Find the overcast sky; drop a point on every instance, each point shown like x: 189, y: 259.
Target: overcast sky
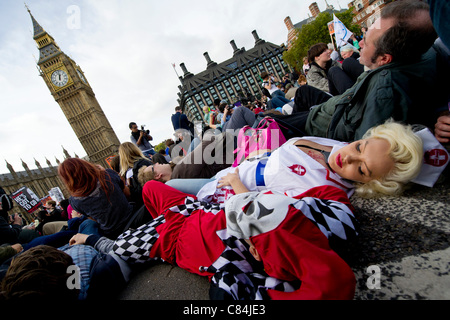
x: 126, y: 50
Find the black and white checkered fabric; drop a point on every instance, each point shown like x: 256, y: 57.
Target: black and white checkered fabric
x: 237, y: 273
x: 333, y: 218
x: 190, y: 205
x: 134, y: 245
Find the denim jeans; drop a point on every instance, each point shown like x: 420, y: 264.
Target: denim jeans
x: 62, y: 238
x: 189, y: 186
x: 54, y: 240
x: 278, y: 100
x: 89, y: 226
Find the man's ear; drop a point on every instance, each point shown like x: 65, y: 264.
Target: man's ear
x: 255, y: 253
x: 384, y: 59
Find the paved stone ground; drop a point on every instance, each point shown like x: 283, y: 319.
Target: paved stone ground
x: 406, y: 238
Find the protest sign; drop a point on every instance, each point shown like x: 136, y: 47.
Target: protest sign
x: 27, y: 199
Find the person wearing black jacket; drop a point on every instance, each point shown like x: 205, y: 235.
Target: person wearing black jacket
x: 12, y: 230
x: 9, y: 230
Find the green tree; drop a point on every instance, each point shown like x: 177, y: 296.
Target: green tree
x: 315, y: 32
x: 160, y: 146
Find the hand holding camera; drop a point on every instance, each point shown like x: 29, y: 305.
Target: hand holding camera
x: 143, y: 129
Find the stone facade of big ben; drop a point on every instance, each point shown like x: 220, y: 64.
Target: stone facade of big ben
x: 71, y: 90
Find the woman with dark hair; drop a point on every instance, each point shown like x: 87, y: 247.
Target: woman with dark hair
x: 319, y: 57
x: 97, y: 193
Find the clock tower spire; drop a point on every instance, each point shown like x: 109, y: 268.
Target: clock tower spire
x: 46, y: 44
x: 72, y: 91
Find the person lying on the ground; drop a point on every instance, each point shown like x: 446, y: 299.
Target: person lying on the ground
x: 404, y: 65
x: 383, y: 162
x: 65, y: 274
x: 213, y: 154
x: 193, y: 235
x: 292, y: 242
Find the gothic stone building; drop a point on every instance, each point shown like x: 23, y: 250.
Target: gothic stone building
x: 232, y: 80
x: 72, y: 91
x: 40, y: 181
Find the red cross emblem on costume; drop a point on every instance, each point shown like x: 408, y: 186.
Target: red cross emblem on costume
x: 436, y: 157
x: 298, y: 169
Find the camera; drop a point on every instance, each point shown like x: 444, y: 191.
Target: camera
x: 146, y: 131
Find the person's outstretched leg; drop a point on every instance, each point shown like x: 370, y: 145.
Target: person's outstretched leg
x: 352, y: 68
x: 338, y: 81
x: 307, y: 96
x: 158, y: 197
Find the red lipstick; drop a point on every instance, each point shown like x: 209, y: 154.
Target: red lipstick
x: 338, y: 160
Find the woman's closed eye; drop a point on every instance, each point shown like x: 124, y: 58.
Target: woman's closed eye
x: 358, y: 148
x: 360, y: 171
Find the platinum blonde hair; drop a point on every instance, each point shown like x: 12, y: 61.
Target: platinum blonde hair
x: 407, y: 152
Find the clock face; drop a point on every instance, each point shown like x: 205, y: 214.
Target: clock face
x: 60, y: 78
x: 81, y: 76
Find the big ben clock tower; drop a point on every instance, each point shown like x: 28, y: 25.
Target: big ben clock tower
x: 72, y: 91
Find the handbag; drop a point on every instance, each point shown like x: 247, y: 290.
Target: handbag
x: 267, y: 135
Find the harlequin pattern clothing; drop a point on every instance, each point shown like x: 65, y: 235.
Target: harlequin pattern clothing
x: 192, y: 234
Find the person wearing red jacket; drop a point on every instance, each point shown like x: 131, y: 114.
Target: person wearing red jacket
x: 284, y: 234
x: 291, y: 239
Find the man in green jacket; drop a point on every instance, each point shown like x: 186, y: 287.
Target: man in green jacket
x: 403, y: 80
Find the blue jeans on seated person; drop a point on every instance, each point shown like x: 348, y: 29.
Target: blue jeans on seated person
x: 62, y: 238
x: 89, y: 226
x: 278, y: 100
x: 54, y: 240
x: 189, y: 186
x: 148, y: 153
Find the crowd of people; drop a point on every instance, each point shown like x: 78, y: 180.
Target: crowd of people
x: 273, y: 225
